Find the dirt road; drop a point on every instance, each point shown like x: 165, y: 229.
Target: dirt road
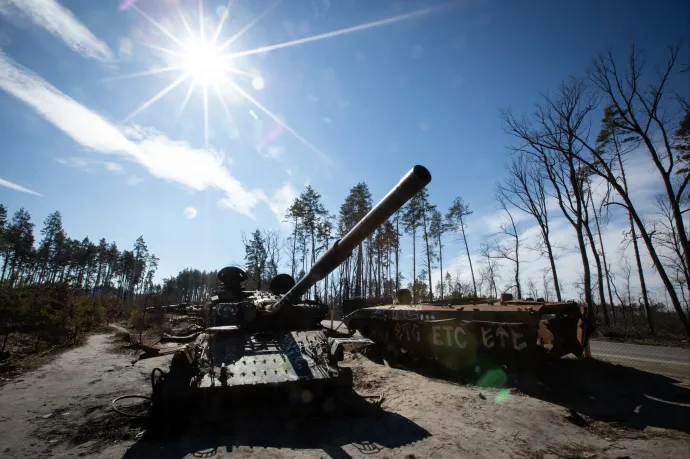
x: 62, y: 410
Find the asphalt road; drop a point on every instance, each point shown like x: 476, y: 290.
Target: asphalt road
x: 671, y: 361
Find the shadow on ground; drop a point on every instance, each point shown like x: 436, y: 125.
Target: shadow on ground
x: 368, y: 430
x: 617, y: 394
x: 603, y: 391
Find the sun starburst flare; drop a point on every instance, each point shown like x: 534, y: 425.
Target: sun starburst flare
x: 206, y: 64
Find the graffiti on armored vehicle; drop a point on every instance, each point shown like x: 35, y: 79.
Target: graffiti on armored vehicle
x: 489, y: 336
x: 413, y: 314
x: 407, y: 331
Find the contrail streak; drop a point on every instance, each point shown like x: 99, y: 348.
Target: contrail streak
x: 248, y: 26
x: 335, y: 33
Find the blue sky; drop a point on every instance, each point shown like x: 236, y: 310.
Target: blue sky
x: 360, y: 106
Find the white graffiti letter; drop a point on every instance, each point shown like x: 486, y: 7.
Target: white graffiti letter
x: 415, y: 332
x: 449, y: 339
x: 461, y: 342
x: 398, y: 332
x: 503, y: 335
x: 436, y: 335
x: 516, y: 336
x: 487, y: 339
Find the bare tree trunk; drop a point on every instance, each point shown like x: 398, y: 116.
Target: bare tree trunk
x: 4, y: 265
x: 397, y: 253
x: 440, y: 260
x: 414, y: 266
x: 600, y: 275
x: 428, y: 254
x: 603, y: 258
x: 552, y: 262
x: 469, y: 258
x: 358, y: 274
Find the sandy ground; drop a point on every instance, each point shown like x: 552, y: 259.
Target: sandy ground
x: 587, y: 410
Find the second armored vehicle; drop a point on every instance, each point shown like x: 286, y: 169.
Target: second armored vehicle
x: 469, y: 333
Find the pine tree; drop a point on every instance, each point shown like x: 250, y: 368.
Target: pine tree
x: 255, y: 255
x: 313, y: 212
x: 53, y: 234
x: 357, y: 204
x: 426, y: 210
x: 20, y: 240
x: 3, y: 237
x: 294, y: 214
x: 324, y: 236
x: 457, y: 221
x: 437, y: 228
x: 412, y: 216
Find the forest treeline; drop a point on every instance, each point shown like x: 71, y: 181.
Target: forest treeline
x: 58, y: 288
x: 570, y: 161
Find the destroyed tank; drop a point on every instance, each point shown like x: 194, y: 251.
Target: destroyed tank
x: 472, y: 334
x: 270, y: 341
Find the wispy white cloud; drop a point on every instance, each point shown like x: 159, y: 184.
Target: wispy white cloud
x: 494, y: 221
x: 14, y: 186
x: 115, y: 168
x: 167, y: 159
x: 86, y: 163
x: 59, y: 21
x: 282, y: 198
x: 134, y: 180
x: 190, y: 212
x: 273, y: 151
x: 73, y: 161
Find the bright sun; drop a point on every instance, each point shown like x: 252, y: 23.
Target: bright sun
x: 204, y: 62
x: 210, y: 66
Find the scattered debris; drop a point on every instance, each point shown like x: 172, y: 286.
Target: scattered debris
x: 575, y: 418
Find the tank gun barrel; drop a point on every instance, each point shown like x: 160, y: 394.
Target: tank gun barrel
x: 414, y: 181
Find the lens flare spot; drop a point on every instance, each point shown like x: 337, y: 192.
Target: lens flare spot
x: 503, y: 396
x: 494, y: 377
x: 258, y: 83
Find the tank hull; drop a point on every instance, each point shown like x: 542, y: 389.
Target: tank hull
x: 232, y: 365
